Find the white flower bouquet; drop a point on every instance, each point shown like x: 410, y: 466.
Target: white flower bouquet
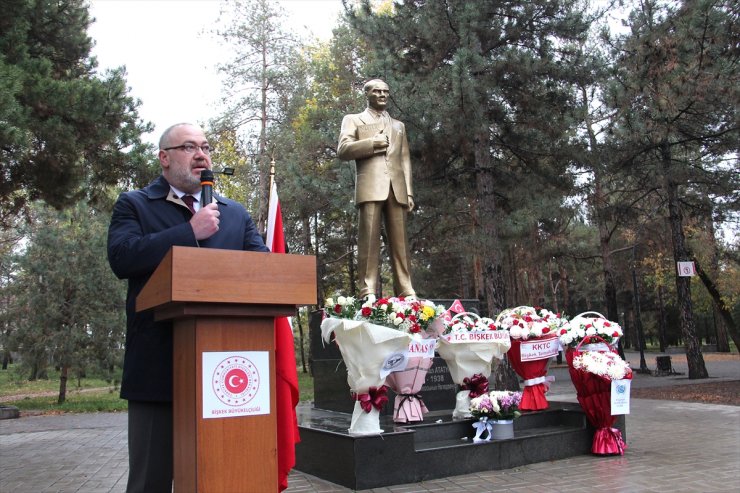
x: 468, y: 346
x: 375, y: 338
x: 529, y: 322
x: 590, y: 327
x: 607, y: 365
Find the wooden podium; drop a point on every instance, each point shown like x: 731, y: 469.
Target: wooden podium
x: 225, y: 301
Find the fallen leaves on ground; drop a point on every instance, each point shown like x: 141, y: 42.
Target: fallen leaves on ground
x: 709, y: 393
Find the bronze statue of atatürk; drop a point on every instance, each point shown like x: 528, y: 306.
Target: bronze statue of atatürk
x: 378, y: 145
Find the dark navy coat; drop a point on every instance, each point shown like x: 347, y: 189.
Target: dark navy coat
x: 145, y: 224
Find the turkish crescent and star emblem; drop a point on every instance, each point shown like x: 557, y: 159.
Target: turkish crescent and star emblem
x: 236, y: 381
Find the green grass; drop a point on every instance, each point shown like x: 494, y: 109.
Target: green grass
x: 13, y: 381
x: 92, y: 394
x: 305, y: 386
x: 76, y: 402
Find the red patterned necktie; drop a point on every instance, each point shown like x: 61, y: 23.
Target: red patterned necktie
x: 189, y: 201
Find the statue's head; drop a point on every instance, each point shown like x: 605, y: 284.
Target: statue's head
x: 376, y: 92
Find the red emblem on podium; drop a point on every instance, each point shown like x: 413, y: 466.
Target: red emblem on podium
x: 236, y: 381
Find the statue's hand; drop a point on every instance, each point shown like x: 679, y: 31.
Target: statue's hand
x: 411, y: 203
x: 380, y: 140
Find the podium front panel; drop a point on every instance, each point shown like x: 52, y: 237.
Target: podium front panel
x: 221, y: 454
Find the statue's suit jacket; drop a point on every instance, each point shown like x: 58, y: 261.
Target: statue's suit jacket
x: 376, y: 172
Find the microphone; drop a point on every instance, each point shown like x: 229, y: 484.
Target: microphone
x: 206, y: 183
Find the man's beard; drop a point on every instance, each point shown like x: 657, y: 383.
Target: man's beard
x: 185, y: 180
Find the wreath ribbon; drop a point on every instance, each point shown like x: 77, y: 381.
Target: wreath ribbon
x: 477, y: 385
x: 409, y: 397
x: 536, y: 381
x: 376, y: 397
x: 617, y: 435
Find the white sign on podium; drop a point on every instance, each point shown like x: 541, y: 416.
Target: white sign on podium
x: 236, y: 384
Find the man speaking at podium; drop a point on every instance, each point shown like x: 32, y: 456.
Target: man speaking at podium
x: 145, y: 224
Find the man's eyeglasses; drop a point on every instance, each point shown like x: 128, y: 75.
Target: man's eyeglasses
x: 190, y: 148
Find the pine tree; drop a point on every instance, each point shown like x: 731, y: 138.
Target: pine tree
x: 69, y: 302
x: 66, y: 132
x: 677, y: 94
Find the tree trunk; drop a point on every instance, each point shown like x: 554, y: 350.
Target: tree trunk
x: 662, y: 325
x: 504, y: 376
x: 320, y: 260
x: 300, y: 339
x: 626, y: 340
x: 464, y: 277
x: 553, y: 287
x: 719, y: 304
x: 638, y: 317
x: 694, y: 358
x: 721, y: 330
x: 477, y: 269
x: 565, y: 287
x: 599, y: 203
x: 63, y: 384
x: 610, y: 289
x: 512, y: 283
x: 493, y: 279
x: 264, y: 161
x: 723, y: 342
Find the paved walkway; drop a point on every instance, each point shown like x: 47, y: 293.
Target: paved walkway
x: 673, y: 447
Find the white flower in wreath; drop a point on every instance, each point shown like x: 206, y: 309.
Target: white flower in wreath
x: 600, y: 367
x: 495, y: 406
x: 615, y: 372
x: 538, y: 327
x: 517, y: 332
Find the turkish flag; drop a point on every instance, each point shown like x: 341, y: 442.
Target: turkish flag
x: 285, y: 365
x: 455, y: 307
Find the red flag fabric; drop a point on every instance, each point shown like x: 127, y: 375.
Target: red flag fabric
x: 285, y: 365
x: 455, y: 307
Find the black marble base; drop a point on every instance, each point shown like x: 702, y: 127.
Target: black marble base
x: 438, y: 447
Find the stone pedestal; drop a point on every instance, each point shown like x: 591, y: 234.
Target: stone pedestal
x: 437, y: 448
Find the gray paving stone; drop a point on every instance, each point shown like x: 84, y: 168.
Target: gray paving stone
x: 672, y: 447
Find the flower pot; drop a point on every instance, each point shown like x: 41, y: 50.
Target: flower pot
x: 502, y: 429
